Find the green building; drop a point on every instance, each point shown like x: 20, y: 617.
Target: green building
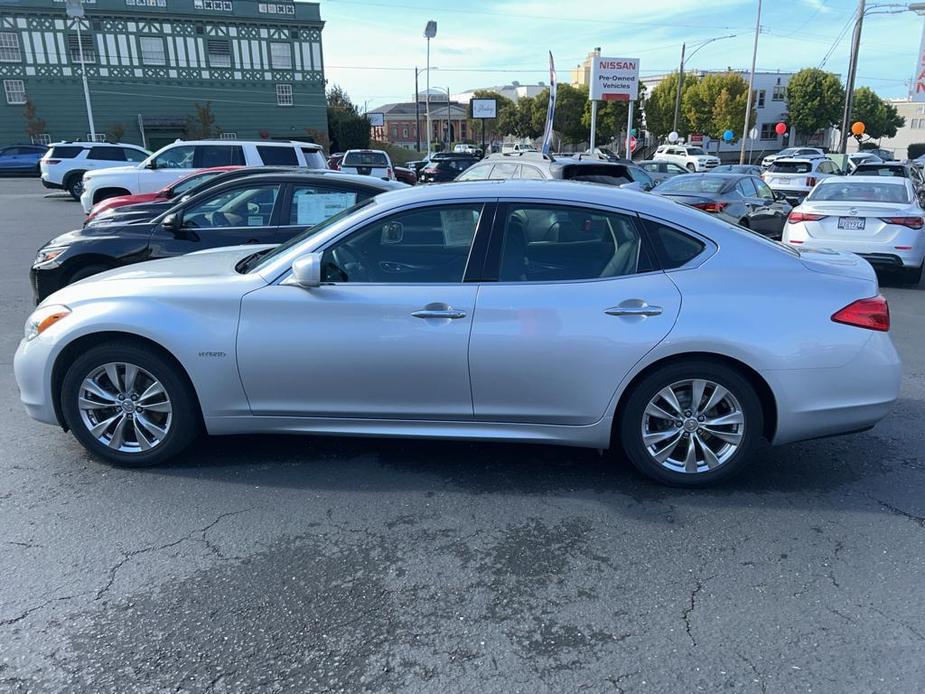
x: 153, y: 65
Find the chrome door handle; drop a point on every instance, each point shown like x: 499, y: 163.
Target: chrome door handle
x: 634, y: 311
x: 450, y: 313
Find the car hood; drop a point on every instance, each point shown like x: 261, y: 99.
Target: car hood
x: 96, y: 173
x: 99, y: 231
x: 186, y: 275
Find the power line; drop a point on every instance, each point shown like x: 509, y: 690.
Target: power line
x: 838, y: 40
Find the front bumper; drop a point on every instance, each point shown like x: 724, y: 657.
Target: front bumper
x: 32, y: 366
x: 86, y: 199
x: 45, y: 282
x: 812, y: 403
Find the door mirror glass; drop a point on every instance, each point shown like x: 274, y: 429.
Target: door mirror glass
x: 306, y: 271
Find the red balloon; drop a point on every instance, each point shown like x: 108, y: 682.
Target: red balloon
x: 780, y: 128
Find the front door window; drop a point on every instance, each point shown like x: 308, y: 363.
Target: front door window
x: 250, y: 206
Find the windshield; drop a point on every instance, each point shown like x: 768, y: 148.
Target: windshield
x: 857, y: 191
x: 191, y: 182
x: 377, y: 159
x: 797, y: 167
x: 696, y: 151
x: 257, y: 261
x: 693, y: 184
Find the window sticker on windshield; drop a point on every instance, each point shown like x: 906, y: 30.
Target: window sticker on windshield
x: 255, y: 220
x: 314, y: 208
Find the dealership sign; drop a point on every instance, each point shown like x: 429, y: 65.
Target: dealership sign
x: 484, y: 108
x: 614, y: 79
x: 376, y: 120
x: 917, y: 91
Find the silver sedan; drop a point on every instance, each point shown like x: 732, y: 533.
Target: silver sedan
x: 549, y: 312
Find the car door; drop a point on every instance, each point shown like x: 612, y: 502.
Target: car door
x: 9, y: 159
x: 241, y: 214
x: 755, y: 208
x: 166, y: 167
x: 577, y: 303
x: 386, y: 334
x: 774, y: 212
x: 308, y: 204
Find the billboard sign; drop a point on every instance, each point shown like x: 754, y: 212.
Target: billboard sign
x: 614, y: 79
x: 917, y: 90
x: 376, y: 120
x: 484, y: 108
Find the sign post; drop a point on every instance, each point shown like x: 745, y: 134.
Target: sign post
x: 917, y: 89
x: 483, y: 110
x: 614, y: 79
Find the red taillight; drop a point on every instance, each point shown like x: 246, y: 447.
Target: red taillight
x: 388, y: 172
x: 795, y: 217
x: 911, y: 222
x: 872, y: 313
x: 710, y: 206
x: 810, y: 181
x: 52, y: 161
x: 795, y: 241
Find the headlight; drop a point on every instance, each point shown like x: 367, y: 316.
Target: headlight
x: 43, y: 318
x: 48, y: 257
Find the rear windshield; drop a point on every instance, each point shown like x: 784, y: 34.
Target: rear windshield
x: 63, y: 152
x: 795, y: 167
x: 693, y: 184
x: 377, y: 159
x: 857, y: 191
x: 876, y: 170
x: 586, y: 172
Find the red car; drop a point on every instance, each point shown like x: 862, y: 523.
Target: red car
x: 176, y: 188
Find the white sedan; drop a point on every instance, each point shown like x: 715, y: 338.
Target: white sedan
x: 876, y: 217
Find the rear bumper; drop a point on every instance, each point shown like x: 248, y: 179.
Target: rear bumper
x: 882, y: 255
x: 50, y: 184
x: 812, y: 403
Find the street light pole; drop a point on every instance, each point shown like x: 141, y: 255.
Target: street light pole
x: 417, y: 110
x: 751, y: 82
x: 677, y: 96
x: 429, y: 32
x: 75, y: 10
x: 449, y: 126
x: 849, y: 85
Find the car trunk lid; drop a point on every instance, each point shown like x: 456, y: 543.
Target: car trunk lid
x: 853, y: 221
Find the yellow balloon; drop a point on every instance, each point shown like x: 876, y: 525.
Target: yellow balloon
x: 857, y: 128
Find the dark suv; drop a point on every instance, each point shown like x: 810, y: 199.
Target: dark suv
x: 534, y: 165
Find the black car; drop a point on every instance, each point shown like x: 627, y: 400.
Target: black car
x: 262, y: 208
x: 737, y: 198
x: 442, y: 169
x: 903, y: 169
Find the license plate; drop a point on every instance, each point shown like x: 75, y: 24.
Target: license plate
x: 851, y: 223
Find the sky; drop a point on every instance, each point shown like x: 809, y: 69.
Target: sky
x: 372, y: 47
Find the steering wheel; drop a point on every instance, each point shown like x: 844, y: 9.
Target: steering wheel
x: 350, y: 264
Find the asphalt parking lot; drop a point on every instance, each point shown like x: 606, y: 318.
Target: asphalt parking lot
x: 346, y: 565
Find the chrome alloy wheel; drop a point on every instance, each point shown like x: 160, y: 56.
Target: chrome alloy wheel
x: 693, y: 426
x: 124, y: 407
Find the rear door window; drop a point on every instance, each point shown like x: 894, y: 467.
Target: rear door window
x: 107, y: 154
x: 134, y: 155
x: 277, y: 155
x: 64, y: 152
x: 531, y: 172
x: 207, y: 156
x: 314, y: 159
x: 746, y: 188
x: 673, y: 247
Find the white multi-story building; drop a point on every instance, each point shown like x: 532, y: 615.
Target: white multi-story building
x: 513, y: 91
x: 913, y: 131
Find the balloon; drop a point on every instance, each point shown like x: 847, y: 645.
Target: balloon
x: 728, y: 135
x: 857, y: 128
x: 673, y: 136
x: 780, y: 128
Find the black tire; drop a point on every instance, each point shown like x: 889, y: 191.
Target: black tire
x: 691, y: 167
x: 86, y: 271
x: 913, y: 275
x: 630, y: 426
x: 75, y: 184
x: 184, y: 425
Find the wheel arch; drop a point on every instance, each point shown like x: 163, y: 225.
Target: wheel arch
x: 79, y: 262
x: 71, y: 175
x: 762, y: 389
x: 101, y: 194
x: 78, y: 346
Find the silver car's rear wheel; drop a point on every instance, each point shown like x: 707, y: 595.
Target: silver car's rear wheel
x: 124, y: 407
x: 693, y: 426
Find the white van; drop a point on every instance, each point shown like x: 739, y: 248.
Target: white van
x: 517, y: 147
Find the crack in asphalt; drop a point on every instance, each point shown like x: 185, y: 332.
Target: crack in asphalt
x: 899, y: 512
x: 36, y: 608
x: 131, y: 554
x: 686, y: 614
x: 759, y: 678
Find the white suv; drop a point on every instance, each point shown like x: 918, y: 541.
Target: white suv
x: 790, y: 153
x: 183, y: 157
x: 368, y: 162
x: 796, y: 177
x: 690, y: 157
x: 65, y: 163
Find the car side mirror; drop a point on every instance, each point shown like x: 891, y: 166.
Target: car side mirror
x: 306, y: 271
x: 780, y: 197
x: 151, y: 164
x: 171, y: 222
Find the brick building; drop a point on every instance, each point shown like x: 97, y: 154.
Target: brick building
x: 401, y: 122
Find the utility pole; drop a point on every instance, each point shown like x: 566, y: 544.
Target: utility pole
x: 429, y: 32
x: 417, y: 110
x: 677, y: 96
x: 75, y: 11
x: 849, y: 86
x: 449, y: 127
x: 751, y: 82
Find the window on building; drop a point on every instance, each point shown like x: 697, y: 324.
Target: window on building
x: 99, y: 137
x: 228, y: 136
x: 15, y: 91
x: 394, y: 132
x: 73, y: 48
x: 9, y: 48
x: 281, y: 56
x: 779, y: 93
x: 404, y: 133
x: 760, y: 98
x: 284, y: 95
x: 153, y: 50
x: 914, y: 123
x: 219, y: 52
x: 768, y: 132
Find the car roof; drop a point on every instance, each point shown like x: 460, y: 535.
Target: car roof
x: 87, y: 143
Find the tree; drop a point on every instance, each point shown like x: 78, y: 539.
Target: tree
x: 659, y: 106
x: 201, y: 126
x: 717, y: 103
x: 815, y: 100
x: 347, y: 129
x: 880, y: 118
x: 492, y: 125
x: 35, y: 126
x: 115, y: 132
x: 567, y: 121
x: 519, y: 121
x: 611, y: 117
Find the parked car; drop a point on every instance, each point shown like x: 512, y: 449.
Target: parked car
x: 517, y: 147
x: 536, y: 166
x: 791, y: 153
x: 879, y: 218
x: 65, y: 163
x: 334, y: 161
x: 747, y: 169
x: 884, y: 154
x: 661, y: 170
x: 263, y: 208
x: 687, y: 156
x: 183, y: 157
x: 168, y: 193
x: 897, y: 169
x: 531, y: 311
x: 146, y: 211
x: 796, y: 177
x: 368, y: 162
x: 862, y: 158
x: 467, y: 149
x: 405, y: 175
x: 446, y: 168
x: 737, y: 198
x: 21, y: 159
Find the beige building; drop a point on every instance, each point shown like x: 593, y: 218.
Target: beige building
x: 913, y: 131
x: 581, y: 75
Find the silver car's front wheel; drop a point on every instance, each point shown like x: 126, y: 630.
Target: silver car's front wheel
x: 124, y: 407
x: 692, y: 426
x: 691, y: 423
